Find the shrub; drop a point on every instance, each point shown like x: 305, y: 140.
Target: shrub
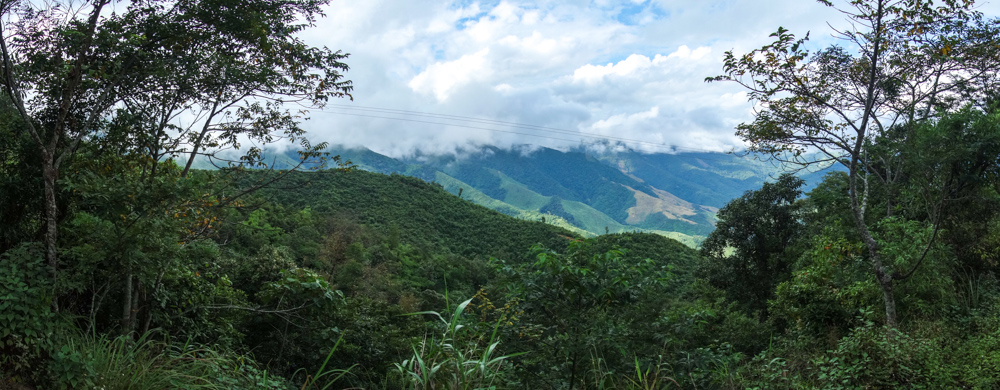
x: 108, y: 363
x: 27, y: 324
x: 460, y: 358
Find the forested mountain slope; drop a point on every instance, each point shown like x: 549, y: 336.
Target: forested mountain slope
x: 122, y: 266
x: 710, y: 179
x: 675, y: 195
x: 423, y: 213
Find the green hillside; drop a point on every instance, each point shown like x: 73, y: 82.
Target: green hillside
x: 672, y: 194
x: 425, y: 214
x: 570, y: 189
x: 572, y: 176
x: 710, y: 179
x: 472, y: 194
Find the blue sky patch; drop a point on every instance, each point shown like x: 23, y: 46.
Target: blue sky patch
x: 484, y: 6
x: 461, y: 23
x: 633, y: 14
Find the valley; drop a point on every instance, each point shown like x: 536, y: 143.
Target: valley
x: 589, y: 192
x: 510, y: 195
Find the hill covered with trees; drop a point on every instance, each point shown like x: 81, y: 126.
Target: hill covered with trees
x: 588, y: 191
x: 121, y: 268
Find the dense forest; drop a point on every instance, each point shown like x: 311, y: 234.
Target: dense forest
x: 582, y: 190
x: 122, y: 267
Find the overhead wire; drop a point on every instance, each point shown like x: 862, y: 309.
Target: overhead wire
x: 446, y: 117
x: 367, y: 111
x: 507, y: 131
x: 511, y: 124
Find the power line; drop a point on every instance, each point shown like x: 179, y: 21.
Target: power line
x: 452, y: 124
x: 502, y: 123
x: 459, y: 118
x: 511, y: 132
x: 513, y: 124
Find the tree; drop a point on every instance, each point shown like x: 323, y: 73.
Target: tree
x: 124, y: 79
x: 760, y: 229
x: 20, y: 182
x: 581, y: 303
x: 906, y: 62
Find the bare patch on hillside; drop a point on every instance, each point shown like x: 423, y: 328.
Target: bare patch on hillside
x: 665, y: 203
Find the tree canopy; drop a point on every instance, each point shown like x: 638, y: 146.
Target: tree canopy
x: 160, y: 80
x: 903, y: 63
x: 761, y: 229
x: 124, y: 266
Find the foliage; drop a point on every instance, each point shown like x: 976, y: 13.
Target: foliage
x: 329, y: 377
x: 823, y: 296
x: 20, y: 182
x: 27, y: 324
x: 865, y: 358
x: 572, y: 304
x: 124, y: 363
x: 77, y: 77
x: 293, y: 328
x: 457, y: 359
x: 910, y: 64
x: 929, y: 292
x: 755, y: 242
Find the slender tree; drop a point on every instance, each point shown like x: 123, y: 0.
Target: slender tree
x: 82, y: 72
x: 901, y: 61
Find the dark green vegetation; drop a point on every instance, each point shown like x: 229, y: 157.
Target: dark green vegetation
x: 919, y: 70
x: 588, y: 191
x: 120, y: 268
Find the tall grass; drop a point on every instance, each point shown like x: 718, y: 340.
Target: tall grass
x: 121, y: 363
x: 971, y: 289
x: 324, y: 378
x: 455, y: 360
x: 649, y: 377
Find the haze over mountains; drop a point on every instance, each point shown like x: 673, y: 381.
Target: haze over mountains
x: 676, y: 195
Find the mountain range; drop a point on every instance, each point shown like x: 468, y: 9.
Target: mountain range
x: 591, y: 193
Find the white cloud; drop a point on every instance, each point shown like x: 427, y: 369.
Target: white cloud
x: 630, y: 69
x: 503, y: 88
x: 535, y: 43
x: 730, y: 99
x: 686, y: 53
x: 611, y: 125
x: 635, y: 64
x: 591, y: 74
x: 441, y: 78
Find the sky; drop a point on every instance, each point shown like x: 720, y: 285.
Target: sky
x: 559, y: 74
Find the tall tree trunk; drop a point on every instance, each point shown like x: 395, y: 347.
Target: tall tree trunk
x: 885, y: 282
x: 149, y: 306
x: 50, y: 172
x: 148, y: 320
x: 127, y: 304
x: 858, y: 206
x: 133, y: 314
x: 883, y: 275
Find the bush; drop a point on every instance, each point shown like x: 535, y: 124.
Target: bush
x: 460, y: 358
x: 123, y: 363
x: 870, y: 357
x: 27, y: 324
